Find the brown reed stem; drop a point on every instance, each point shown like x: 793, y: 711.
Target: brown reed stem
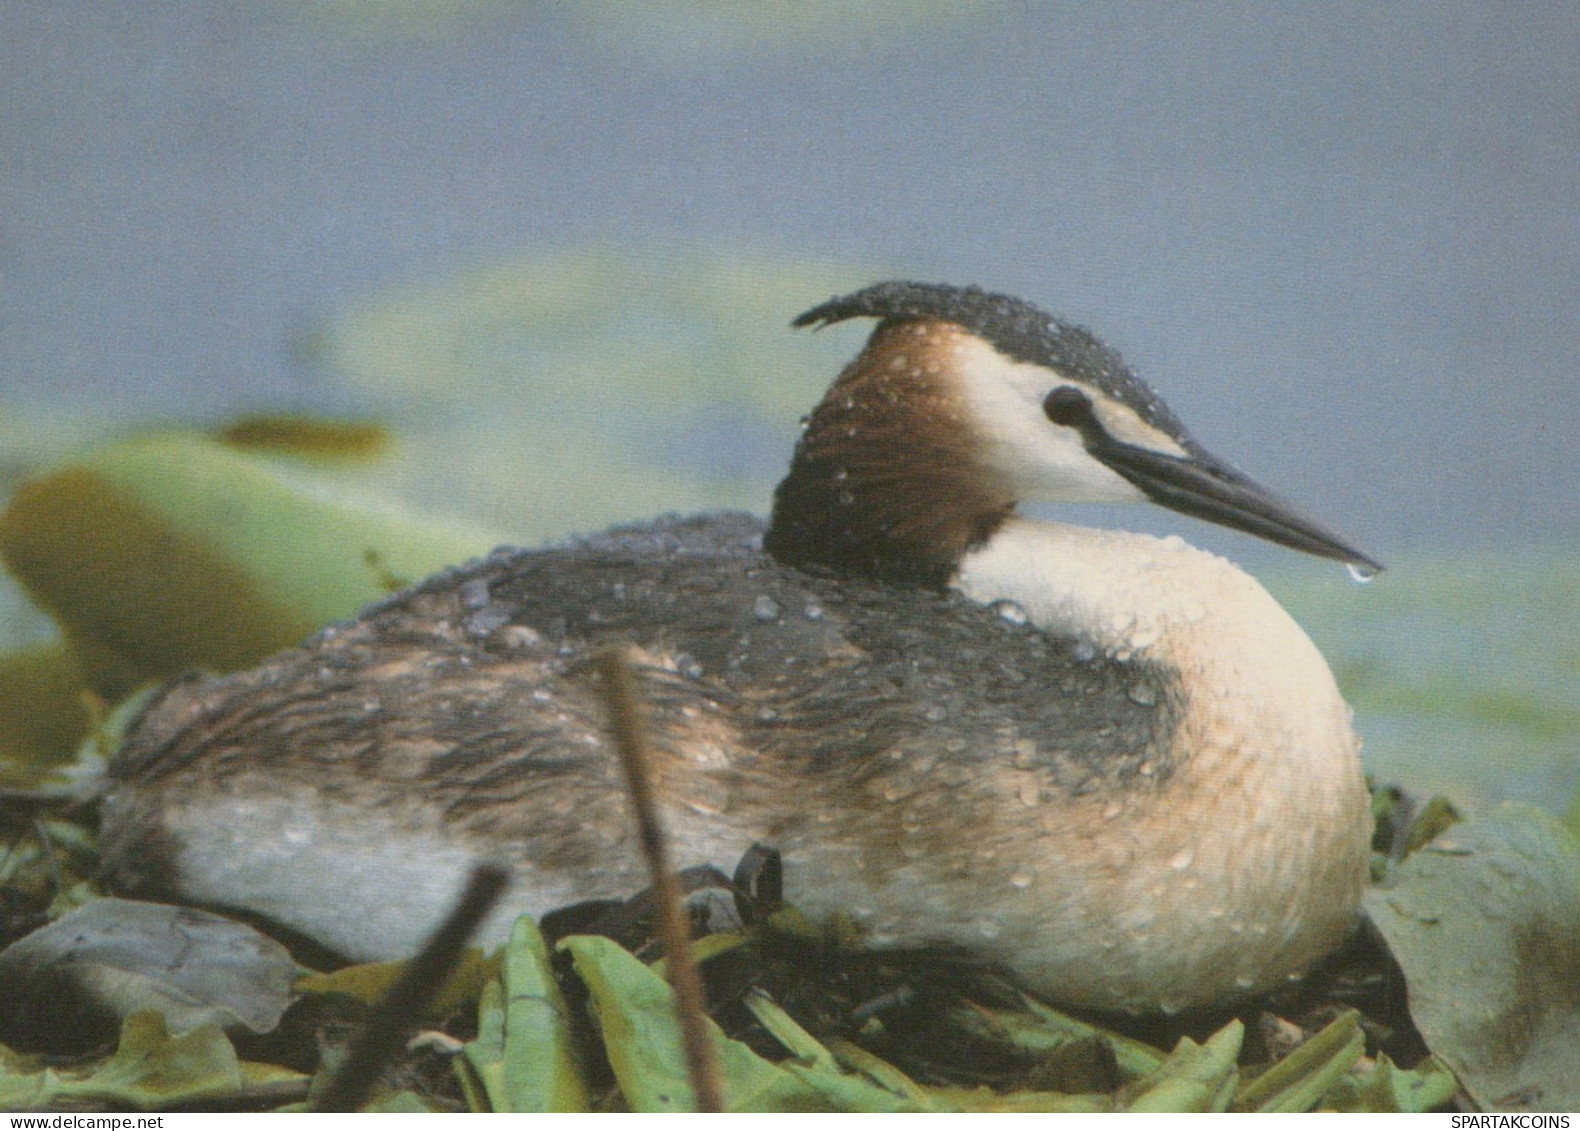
x: 629, y: 730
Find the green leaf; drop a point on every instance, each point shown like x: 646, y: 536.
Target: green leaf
x: 1485, y: 923
x: 1386, y: 1087
x: 868, y: 1064
x: 171, y: 552
x: 1301, y: 1079
x: 21, y: 1081
x: 1036, y: 1030
x: 368, y: 982
x: 636, y: 1014
x: 886, y: 1076
x: 1437, y: 816
x: 43, y: 713
x: 524, y: 1055
x: 987, y: 1100
x: 150, y: 1070
x: 400, y: 1103
x: 1193, y: 1077
x: 821, y: 1065
x: 801, y: 1045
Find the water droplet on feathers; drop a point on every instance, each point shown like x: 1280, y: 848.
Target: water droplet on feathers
x: 1011, y: 612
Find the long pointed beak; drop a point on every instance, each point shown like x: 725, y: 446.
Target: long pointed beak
x: 1202, y: 487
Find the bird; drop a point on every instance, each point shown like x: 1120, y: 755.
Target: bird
x: 1108, y: 762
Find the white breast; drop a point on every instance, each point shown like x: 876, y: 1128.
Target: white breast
x: 1249, y: 864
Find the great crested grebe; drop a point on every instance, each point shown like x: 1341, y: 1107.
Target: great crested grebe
x: 1110, y: 761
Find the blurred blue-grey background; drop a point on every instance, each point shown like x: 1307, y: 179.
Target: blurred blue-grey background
x: 558, y: 245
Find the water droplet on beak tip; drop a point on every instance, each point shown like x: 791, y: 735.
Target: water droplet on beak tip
x: 1360, y: 572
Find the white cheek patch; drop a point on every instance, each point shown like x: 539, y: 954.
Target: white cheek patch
x: 1123, y: 423
x: 1042, y: 461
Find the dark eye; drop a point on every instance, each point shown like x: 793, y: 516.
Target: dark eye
x: 1067, y: 406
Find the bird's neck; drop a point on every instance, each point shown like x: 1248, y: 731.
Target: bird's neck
x: 1116, y: 590
x: 887, y: 480
x: 1163, y: 601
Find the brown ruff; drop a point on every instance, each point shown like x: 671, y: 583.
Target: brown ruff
x: 887, y: 481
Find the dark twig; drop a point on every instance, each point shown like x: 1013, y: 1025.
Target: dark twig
x: 349, y: 1089
x: 628, y: 728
